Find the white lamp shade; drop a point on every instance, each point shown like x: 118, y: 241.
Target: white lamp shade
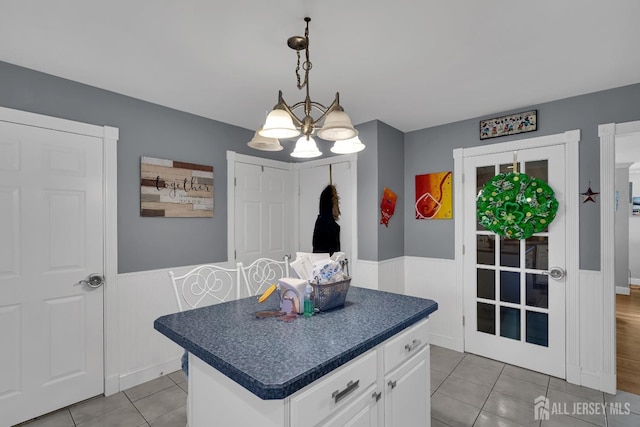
x: 279, y: 125
x: 347, y: 146
x: 262, y: 143
x: 337, y: 126
x: 306, y: 149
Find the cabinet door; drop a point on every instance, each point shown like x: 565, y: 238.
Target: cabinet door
x: 406, y: 401
x: 362, y: 412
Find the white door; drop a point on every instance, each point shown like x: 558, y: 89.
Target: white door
x: 312, y: 181
x: 51, y: 223
x: 264, y: 220
x: 514, y: 311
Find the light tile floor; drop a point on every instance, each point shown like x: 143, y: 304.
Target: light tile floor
x: 466, y: 390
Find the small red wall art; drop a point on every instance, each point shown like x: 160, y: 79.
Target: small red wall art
x: 387, y: 206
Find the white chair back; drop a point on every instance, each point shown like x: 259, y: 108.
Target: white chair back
x: 206, y: 285
x: 262, y: 273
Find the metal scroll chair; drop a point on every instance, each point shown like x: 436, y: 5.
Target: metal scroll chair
x: 204, y: 285
x: 262, y: 273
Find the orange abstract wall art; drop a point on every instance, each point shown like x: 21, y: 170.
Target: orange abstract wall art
x: 433, y: 196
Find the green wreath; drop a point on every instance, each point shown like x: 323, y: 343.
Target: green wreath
x: 515, y: 206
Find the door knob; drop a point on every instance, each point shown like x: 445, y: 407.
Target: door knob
x: 556, y: 273
x: 95, y: 281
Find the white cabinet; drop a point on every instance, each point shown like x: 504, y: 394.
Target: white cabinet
x: 362, y: 412
x: 334, y: 393
x: 386, y: 386
x: 406, y: 396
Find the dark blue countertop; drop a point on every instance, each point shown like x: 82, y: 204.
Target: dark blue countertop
x: 272, y: 358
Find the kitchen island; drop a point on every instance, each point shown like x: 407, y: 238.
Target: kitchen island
x: 244, y: 369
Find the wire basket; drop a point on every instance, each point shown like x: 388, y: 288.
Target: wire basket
x: 330, y: 295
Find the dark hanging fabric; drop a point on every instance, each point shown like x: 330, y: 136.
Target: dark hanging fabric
x: 326, y: 233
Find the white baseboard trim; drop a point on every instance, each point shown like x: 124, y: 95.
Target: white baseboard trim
x: 574, y: 374
x: 590, y: 379
x: 634, y: 281
x: 133, y: 379
x: 608, y: 383
x: 623, y: 290
x: 445, y: 341
x: 111, y: 385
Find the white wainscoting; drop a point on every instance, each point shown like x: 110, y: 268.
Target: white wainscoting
x: 436, y: 279
x: 366, y: 274
x: 145, y: 353
x: 592, y: 330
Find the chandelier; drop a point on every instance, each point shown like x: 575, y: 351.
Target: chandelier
x: 283, y: 123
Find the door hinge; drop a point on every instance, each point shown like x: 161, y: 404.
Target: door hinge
x: 262, y: 168
x: 235, y: 254
x: 463, y: 178
x: 462, y: 320
x: 463, y: 249
x: 235, y: 181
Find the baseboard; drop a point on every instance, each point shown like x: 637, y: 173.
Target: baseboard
x: 623, y: 290
x: 634, y: 281
x: 111, y: 385
x: 573, y: 374
x: 445, y: 341
x: 133, y: 379
x: 608, y: 383
x: 591, y: 379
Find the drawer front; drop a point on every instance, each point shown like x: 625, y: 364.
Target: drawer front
x: 405, y: 345
x: 334, y: 391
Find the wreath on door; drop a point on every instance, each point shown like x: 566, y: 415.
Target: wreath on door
x: 515, y: 205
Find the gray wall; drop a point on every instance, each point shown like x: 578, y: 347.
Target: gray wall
x: 150, y: 130
x: 430, y: 150
x: 368, y: 217
x: 145, y: 130
x: 391, y: 175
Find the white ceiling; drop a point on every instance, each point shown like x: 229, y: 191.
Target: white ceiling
x: 410, y: 63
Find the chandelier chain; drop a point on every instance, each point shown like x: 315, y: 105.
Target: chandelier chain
x: 306, y: 66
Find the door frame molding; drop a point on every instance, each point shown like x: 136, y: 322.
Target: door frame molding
x: 109, y: 136
x: 607, y: 134
x: 570, y: 140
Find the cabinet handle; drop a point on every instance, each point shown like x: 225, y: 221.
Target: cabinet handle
x: 376, y: 396
x: 414, y: 344
x: 392, y: 384
x: 338, y: 395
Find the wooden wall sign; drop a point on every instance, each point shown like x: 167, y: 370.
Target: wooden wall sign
x: 175, y: 189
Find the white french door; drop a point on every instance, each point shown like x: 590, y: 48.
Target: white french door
x: 514, y: 310
x: 51, y: 223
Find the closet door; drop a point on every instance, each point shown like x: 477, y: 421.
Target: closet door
x: 263, y: 212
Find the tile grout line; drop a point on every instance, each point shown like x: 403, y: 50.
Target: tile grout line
x: 490, y: 391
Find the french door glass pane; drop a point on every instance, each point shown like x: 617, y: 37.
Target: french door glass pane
x: 485, y: 247
x: 538, y: 169
x: 486, y: 284
x: 537, y: 252
x: 483, y: 175
x: 537, y: 290
x: 486, y: 320
x: 538, y: 328
x: 510, y: 323
x: 509, y: 253
x: 510, y: 287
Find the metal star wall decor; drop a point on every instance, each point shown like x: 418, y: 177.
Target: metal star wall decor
x: 589, y: 195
